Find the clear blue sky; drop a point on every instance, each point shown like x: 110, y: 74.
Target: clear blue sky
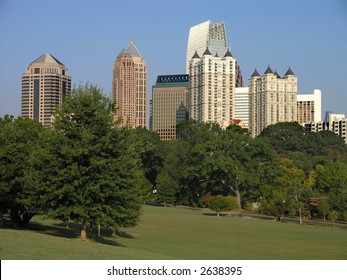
x: 310, y: 36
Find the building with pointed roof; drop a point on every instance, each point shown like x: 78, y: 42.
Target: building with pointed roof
x: 129, y: 87
x: 213, y: 37
x: 255, y: 73
x: 44, y: 86
x: 212, y: 88
x: 272, y: 99
x: 206, y: 35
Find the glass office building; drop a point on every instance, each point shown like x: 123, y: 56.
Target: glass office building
x: 205, y: 35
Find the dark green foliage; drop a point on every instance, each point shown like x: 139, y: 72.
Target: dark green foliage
x: 86, y: 170
x: 148, y: 147
x: 18, y: 139
x: 284, y: 137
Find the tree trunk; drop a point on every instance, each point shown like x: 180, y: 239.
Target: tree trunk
x: 114, y: 231
x: 217, y: 214
x: 99, y: 230
x: 91, y: 227
x: 300, y: 216
x: 1, y: 219
x: 26, y: 219
x: 324, y: 217
x: 238, y: 195
x: 84, y: 230
x: 15, y: 218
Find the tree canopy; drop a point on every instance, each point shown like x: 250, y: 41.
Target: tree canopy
x: 86, y: 171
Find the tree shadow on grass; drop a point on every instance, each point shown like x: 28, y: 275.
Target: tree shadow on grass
x: 54, y: 230
x: 124, y: 234
x: 73, y: 232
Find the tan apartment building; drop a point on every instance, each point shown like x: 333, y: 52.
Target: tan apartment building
x: 272, y: 99
x: 44, y: 86
x: 212, y: 88
x: 129, y: 87
x: 169, y: 94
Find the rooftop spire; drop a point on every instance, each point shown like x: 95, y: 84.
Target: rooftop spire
x: 131, y: 50
x: 47, y: 58
x: 196, y: 55
x: 289, y: 72
x: 255, y: 73
x: 207, y: 52
x: 228, y: 54
x: 268, y: 70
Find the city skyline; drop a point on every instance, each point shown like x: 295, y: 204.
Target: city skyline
x: 309, y: 36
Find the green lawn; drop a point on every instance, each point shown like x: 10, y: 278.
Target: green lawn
x: 178, y: 233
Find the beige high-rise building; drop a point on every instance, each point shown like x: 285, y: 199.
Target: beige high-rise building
x: 129, y: 87
x: 212, y: 88
x: 168, y: 94
x: 44, y: 86
x: 272, y: 99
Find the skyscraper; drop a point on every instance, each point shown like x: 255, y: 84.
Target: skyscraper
x: 129, y: 87
x: 212, y: 88
x: 205, y: 35
x: 272, y: 99
x: 44, y: 86
x: 169, y: 102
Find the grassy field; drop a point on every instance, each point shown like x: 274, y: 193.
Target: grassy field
x: 178, y: 233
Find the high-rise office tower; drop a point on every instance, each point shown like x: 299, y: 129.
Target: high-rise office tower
x: 212, y: 37
x: 44, y: 86
x: 129, y: 87
x: 272, y: 99
x: 309, y: 107
x: 169, y: 100
x: 205, y: 35
x: 212, y: 88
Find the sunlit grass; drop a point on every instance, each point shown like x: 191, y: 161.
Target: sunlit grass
x: 178, y: 233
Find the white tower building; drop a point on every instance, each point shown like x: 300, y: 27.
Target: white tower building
x: 310, y: 107
x: 272, y: 99
x: 212, y: 88
x: 205, y: 35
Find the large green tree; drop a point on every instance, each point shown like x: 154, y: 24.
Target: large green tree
x: 18, y: 139
x: 87, y: 171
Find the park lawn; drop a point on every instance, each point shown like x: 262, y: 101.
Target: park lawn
x: 178, y: 233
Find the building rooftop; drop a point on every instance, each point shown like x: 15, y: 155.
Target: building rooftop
x: 207, y: 52
x: 180, y: 80
x: 196, y: 55
x: 47, y: 58
x: 228, y: 54
x: 255, y: 73
x: 131, y: 50
x: 269, y: 70
x: 289, y: 72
